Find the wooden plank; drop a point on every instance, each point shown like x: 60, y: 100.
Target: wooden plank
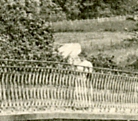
x: 66, y: 115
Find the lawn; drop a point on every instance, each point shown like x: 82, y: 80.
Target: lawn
x: 99, y: 37
x: 94, y: 26
x: 92, y: 42
x: 110, y: 43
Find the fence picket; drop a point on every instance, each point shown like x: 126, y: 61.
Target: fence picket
x: 63, y: 88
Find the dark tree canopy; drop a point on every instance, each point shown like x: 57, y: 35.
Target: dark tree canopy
x: 83, y: 9
x: 24, y: 34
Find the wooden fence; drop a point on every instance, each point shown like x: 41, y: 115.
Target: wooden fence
x: 43, y: 90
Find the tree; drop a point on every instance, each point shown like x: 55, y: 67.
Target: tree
x: 70, y: 7
x: 83, y: 9
x: 24, y: 33
x: 51, y: 11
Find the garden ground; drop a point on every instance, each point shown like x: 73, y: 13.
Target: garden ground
x: 104, y: 37
x: 110, y: 43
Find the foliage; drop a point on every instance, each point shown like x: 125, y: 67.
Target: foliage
x: 51, y: 11
x: 71, y: 8
x: 24, y: 33
x: 132, y: 57
x: 103, y: 60
x: 84, y: 9
x: 58, y: 10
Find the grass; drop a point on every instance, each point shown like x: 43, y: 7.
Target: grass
x: 92, y: 42
x: 109, y: 43
x: 98, y: 37
x: 93, y: 26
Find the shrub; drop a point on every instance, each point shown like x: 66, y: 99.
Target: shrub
x: 25, y: 35
x: 103, y: 60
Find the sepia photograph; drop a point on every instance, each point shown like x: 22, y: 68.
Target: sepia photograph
x: 68, y: 60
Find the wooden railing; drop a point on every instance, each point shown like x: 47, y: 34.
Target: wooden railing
x: 29, y: 90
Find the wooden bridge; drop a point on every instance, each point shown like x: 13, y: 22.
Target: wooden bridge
x: 46, y: 90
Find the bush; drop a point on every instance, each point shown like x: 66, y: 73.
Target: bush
x: 24, y: 33
x: 103, y: 60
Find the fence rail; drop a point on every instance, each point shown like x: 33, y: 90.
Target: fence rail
x: 45, y: 89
